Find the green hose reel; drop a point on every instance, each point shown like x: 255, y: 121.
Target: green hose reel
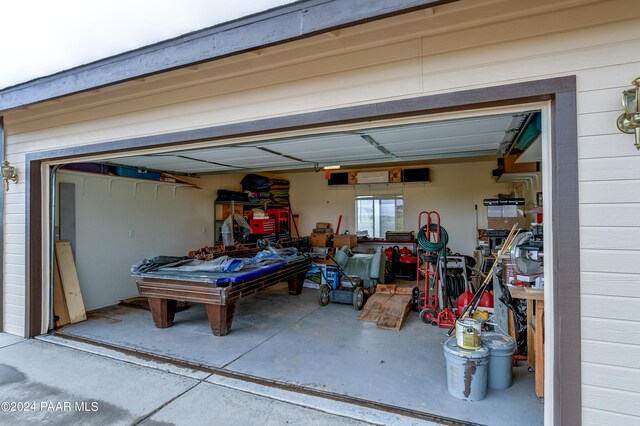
x: 430, y: 246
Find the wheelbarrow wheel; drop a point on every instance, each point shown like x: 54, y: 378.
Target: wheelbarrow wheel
x: 324, y: 295
x: 428, y: 315
x: 358, y: 298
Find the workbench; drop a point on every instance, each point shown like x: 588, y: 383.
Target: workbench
x: 535, y: 335
x: 218, y: 291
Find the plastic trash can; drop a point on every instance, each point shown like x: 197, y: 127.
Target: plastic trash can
x: 501, y: 349
x: 466, y: 371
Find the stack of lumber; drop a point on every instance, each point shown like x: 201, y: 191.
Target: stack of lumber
x: 388, y: 307
x: 68, y: 306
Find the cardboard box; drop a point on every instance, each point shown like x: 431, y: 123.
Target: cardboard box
x: 348, y: 240
x: 226, y: 210
x: 508, y: 222
x: 320, y: 240
x: 510, y: 165
x: 322, y: 230
x: 323, y: 225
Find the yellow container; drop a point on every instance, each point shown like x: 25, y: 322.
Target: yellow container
x: 468, y: 333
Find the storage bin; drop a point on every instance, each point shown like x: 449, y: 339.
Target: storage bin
x: 136, y: 173
x: 87, y: 167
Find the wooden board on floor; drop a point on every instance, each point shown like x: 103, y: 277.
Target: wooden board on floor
x: 385, y: 288
x: 70, y: 283
x: 388, y: 307
x: 395, y: 312
x: 404, y: 290
x: 374, y: 307
x: 60, y: 311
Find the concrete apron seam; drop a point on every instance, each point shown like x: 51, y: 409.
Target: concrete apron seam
x: 13, y: 344
x: 321, y: 403
x: 114, y: 353
x: 270, y: 337
x: 143, y: 418
x: 316, y: 403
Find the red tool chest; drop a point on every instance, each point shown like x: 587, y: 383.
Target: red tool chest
x: 262, y: 226
x: 281, y: 218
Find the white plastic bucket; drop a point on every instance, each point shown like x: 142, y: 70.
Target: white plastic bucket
x: 466, y: 371
x: 501, y: 349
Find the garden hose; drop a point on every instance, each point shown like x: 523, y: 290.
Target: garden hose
x: 430, y: 246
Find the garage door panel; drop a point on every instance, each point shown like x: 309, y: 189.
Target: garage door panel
x: 204, y: 169
x: 443, y: 129
x: 311, y: 144
x: 334, y: 158
x: 494, y: 139
x: 227, y: 155
x: 425, y: 151
x: 344, y: 151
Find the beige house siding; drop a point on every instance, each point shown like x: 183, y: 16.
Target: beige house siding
x: 462, y: 45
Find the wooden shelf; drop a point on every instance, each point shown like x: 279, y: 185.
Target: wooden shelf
x: 528, y: 293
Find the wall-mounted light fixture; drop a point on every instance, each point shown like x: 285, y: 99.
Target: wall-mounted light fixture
x: 629, y: 121
x: 8, y: 174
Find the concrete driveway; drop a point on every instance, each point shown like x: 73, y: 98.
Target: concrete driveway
x: 53, y: 381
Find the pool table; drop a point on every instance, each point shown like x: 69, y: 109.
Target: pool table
x: 218, y: 291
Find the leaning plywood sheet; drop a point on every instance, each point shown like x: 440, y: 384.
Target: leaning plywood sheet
x: 60, y: 311
x: 374, y: 307
x: 70, y: 283
x: 395, y: 312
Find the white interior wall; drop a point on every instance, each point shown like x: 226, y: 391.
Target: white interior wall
x: 118, y: 226
x: 453, y: 191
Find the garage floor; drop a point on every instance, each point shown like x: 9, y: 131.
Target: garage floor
x: 293, y: 340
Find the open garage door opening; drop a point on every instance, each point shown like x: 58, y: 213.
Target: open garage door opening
x: 290, y: 321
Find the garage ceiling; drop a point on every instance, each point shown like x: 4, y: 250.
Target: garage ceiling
x: 441, y: 139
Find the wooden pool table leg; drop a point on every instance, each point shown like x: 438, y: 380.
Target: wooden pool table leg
x: 296, y: 283
x: 221, y: 317
x: 163, y: 311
